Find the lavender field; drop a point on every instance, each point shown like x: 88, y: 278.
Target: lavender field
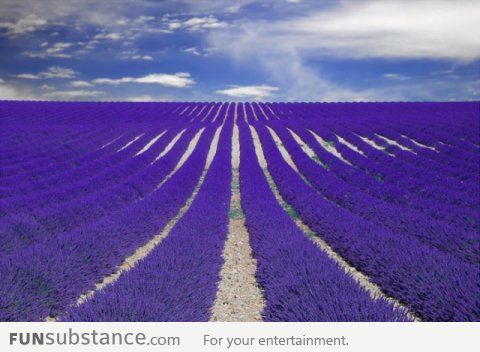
x: 239, y: 211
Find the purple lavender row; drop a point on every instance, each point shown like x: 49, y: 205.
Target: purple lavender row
x: 462, y: 244
x: 404, y: 169
x: 73, y: 168
x: 108, y: 149
x: 61, y: 149
x: 42, y: 225
x: 443, y: 167
x: 390, y: 171
x: 426, y: 116
x: 442, y: 141
x: 45, y: 278
x: 425, y: 152
x: 64, y: 150
x: 425, y: 279
x: 48, y: 175
x: 19, y: 138
x: 459, y: 217
x: 25, y: 142
x: 89, y: 180
x: 451, y: 117
x: 103, y: 179
x: 58, y: 113
x: 418, y: 186
x: 21, y: 144
x: 465, y: 174
x: 178, y: 280
x: 78, y: 183
x: 47, y: 168
x: 299, y: 281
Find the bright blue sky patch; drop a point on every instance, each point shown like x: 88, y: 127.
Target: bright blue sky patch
x: 283, y: 50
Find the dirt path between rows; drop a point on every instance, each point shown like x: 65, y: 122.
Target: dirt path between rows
x: 363, y: 280
x: 239, y: 297
x: 143, y: 251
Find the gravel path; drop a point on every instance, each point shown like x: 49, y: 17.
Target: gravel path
x: 141, y: 252
x: 239, y: 298
x: 329, y: 147
x: 362, y: 279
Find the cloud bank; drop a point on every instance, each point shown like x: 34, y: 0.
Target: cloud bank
x: 177, y: 80
x: 253, y: 92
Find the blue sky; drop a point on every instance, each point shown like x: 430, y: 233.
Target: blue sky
x: 283, y: 50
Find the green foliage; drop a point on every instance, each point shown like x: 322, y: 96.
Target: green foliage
x: 236, y: 212
x: 330, y: 144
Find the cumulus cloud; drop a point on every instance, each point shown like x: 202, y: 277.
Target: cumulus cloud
x: 56, y: 50
x: 23, y: 25
x: 108, y: 36
x: 358, y: 29
x: 142, y: 57
x: 200, y: 51
x: 80, y: 84
x: 51, y: 72
x: 254, y: 92
x: 28, y: 76
x: 195, y: 23
x: 284, y: 47
x: 192, y: 51
x: 177, y: 80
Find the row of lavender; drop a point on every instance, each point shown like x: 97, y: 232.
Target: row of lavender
x: 429, y: 259
x: 76, y: 226
x: 178, y: 281
x: 84, y: 212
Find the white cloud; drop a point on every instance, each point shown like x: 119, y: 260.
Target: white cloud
x: 109, y: 36
x: 351, y: 29
x: 192, y: 50
x: 113, y: 81
x: 79, y: 84
x: 142, y: 57
x: 143, y: 19
x: 74, y: 94
x: 46, y: 87
x: 58, y: 72
x: 195, y: 23
x: 56, y: 50
x: 2, y: 81
x: 255, y: 92
x: 23, y: 25
x: 200, y: 52
x: 58, y: 47
x: 358, y: 29
x: 177, y: 80
x: 395, y: 76
x: 51, y: 72
x: 28, y: 76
